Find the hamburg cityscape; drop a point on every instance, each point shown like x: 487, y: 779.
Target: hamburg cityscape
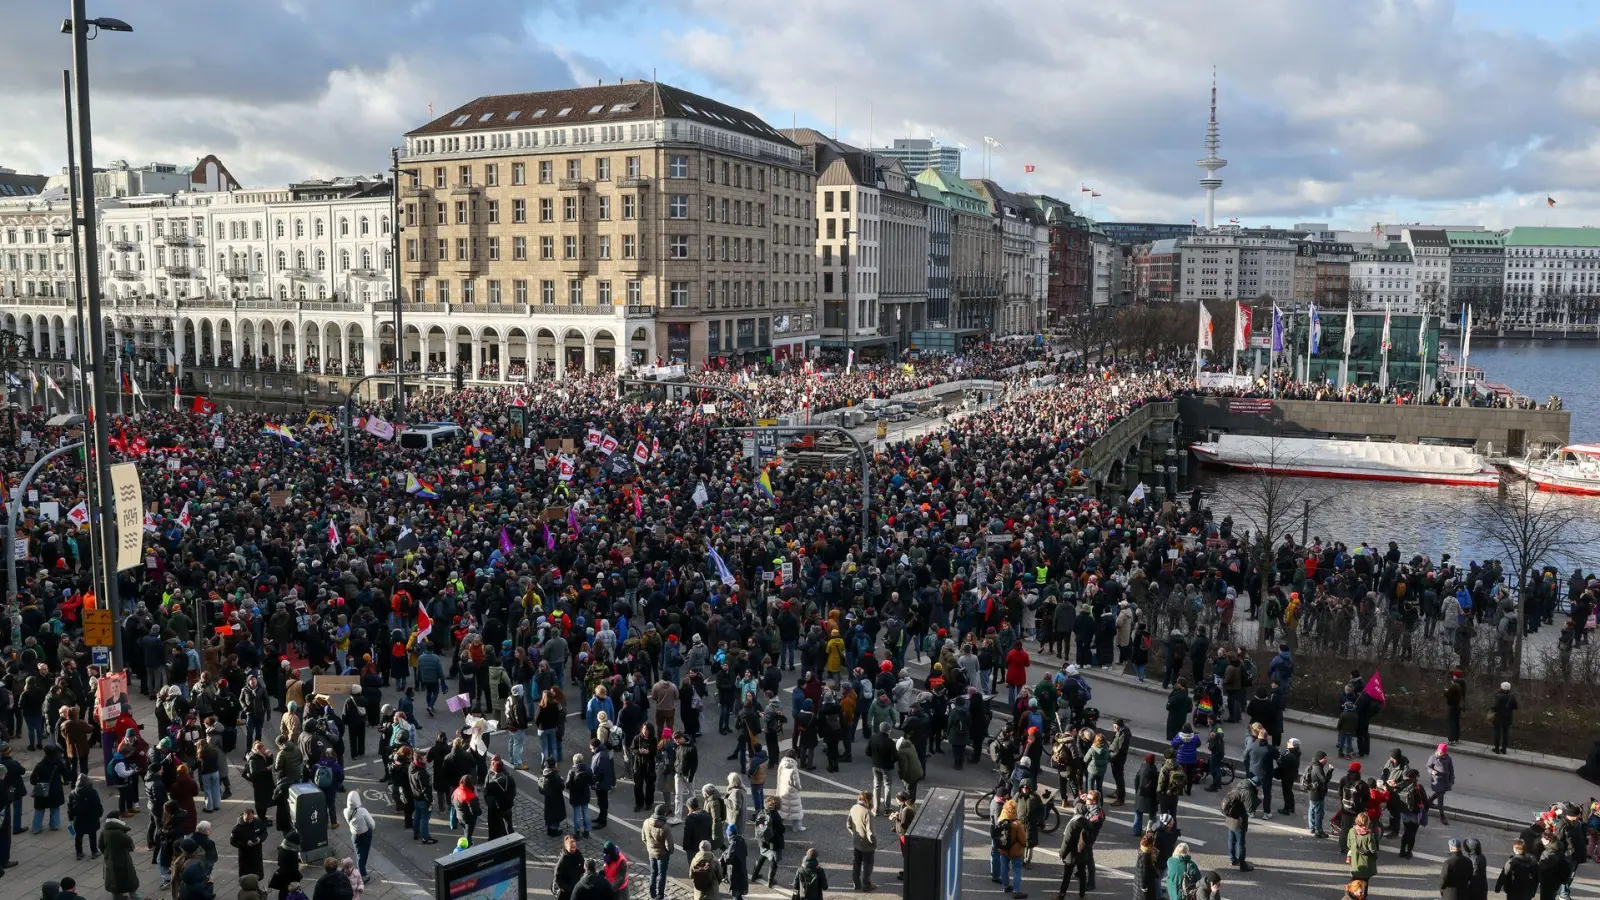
x: 1164, y: 441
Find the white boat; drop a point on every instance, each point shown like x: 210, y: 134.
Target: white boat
x: 1356, y: 460
x: 1574, y: 469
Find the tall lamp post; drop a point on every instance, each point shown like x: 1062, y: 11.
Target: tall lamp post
x: 102, y: 518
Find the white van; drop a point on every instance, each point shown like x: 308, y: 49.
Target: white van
x: 430, y: 435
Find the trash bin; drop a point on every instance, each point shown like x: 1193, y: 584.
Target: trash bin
x: 308, y: 812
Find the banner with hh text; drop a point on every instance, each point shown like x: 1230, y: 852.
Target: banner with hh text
x: 130, y: 514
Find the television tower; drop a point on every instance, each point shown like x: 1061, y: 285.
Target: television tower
x: 1211, y: 163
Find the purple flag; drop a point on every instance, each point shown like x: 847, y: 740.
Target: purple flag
x: 505, y: 542
x: 549, y: 537
x: 572, y: 517
x: 1277, y: 331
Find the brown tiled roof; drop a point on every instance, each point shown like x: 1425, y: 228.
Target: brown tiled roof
x: 605, y: 103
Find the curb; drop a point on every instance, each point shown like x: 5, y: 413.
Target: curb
x: 1463, y: 748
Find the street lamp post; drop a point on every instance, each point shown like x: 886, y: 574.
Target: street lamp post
x: 102, y: 519
x: 96, y: 552
x: 394, y: 269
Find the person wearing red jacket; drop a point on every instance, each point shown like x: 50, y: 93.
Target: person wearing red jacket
x: 1016, y: 672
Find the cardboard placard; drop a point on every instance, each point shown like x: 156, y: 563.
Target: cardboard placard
x: 552, y: 444
x: 358, y: 516
x: 555, y: 513
x: 278, y: 499
x: 568, y: 445
x: 330, y: 685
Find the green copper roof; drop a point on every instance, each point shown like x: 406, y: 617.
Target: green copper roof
x: 1553, y: 237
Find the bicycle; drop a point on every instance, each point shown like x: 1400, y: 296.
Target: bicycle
x: 1052, y: 814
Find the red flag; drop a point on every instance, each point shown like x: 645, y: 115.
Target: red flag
x: 1374, y: 688
x: 202, y: 406
x: 1028, y: 169
x: 424, y: 623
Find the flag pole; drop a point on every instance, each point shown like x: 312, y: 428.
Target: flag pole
x: 1238, y: 323
x: 1272, y: 352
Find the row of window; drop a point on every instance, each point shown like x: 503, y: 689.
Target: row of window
x: 573, y: 209
x: 34, y: 236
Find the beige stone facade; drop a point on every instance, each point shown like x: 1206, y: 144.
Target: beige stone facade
x: 626, y: 222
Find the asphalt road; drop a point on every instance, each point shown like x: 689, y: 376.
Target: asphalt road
x: 1289, y: 863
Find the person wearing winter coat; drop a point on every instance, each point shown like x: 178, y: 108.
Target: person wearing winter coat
x: 1519, y: 877
x: 1361, y: 849
x: 810, y: 880
x: 908, y: 765
x: 332, y: 885
x: 770, y: 830
x: 1181, y: 871
x: 1455, y: 874
x: 554, y: 792
x: 594, y: 885
x: 569, y: 868
x: 116, y: 848
x: 288, y: 871
x: 734, y: 861
x: 579, y: 784
x: 248, y: 836
x: 733, y: 802
x: 1478, y: 883
x: 656, y: 835
x: 250, y: 888
x: 499, y: 797
x: 1441, y: 779
x: 705, y: 860
x: 789, y: 788
x: 1144, y: 792
x: 466, y: 806
x: 84, y: 811
x: 604, y: 773
x: 361, y: 823
x: 1147, y: 870
x: 52, y: 772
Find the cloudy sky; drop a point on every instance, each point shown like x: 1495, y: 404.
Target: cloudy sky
x: 1472, y: 111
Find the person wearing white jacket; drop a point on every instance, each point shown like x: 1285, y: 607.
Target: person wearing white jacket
x: 361, y: 825
x: 788, y: 793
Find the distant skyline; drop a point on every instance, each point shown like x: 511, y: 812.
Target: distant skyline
x: 1463, y: 112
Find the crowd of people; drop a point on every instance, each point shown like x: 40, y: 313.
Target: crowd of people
x: 535, y: 582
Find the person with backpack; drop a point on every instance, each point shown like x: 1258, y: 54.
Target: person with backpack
x: 1182, y: 874
x: 1237, y: 807
x: 864, y: 842
x: 1008, y: 840
x: 705, y: 874
x: 810, y: 880
x: 1519, y: 877
x: 1261, y: 767
x: 1171, y: 783
x: 1314, y: 781
x: 769, y: 838
x: 1410, y: 802
x: 959, y: 731
x: 1354, y: 795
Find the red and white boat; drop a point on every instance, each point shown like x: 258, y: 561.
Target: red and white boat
x: 1574, y: 469
x: 1354, y: 460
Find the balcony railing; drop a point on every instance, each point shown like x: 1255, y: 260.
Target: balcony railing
x: 331, y: 306
x: 419, y: 190
x: 636, y: 182
x: 300, y: 274
x: 124, y: 246
x: 364, y: 273
x: 492, y: 309
x: 427, y: 307
x: 466, y: 187
x: 206, y: 303
x: 179, y: 271
x: 563, y: 309
x: 180, y: 240
x: 34, y: 300
x: 236, y: 273
x: 639, y: 311
x: 124, y: 274
x: 575, y: 184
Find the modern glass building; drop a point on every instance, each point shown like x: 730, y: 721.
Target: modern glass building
x: 1405, y: 359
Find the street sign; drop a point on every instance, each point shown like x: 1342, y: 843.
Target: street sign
x: 97, y: 627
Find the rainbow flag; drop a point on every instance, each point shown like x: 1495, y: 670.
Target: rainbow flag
x: 481, y: 436
x: 765, y: 484
x: 1204, y: 706
x: 281, y: 431
x: 418, y: 488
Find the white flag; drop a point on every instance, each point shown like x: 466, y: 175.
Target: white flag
x: 701, y: 497
x: 184, y: 519
x: 1466, y: 338
x: 51, y: 384
x: 333, y: 536
x: 849, y: 361
x: 1205, y: 328
x: 1349, y: 327
x: 79, y: 515
x: 1422, y: 336
x: 1138, y: 493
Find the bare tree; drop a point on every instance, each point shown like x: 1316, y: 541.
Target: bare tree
x: 1530, y: 527
x: 1273, y: 503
